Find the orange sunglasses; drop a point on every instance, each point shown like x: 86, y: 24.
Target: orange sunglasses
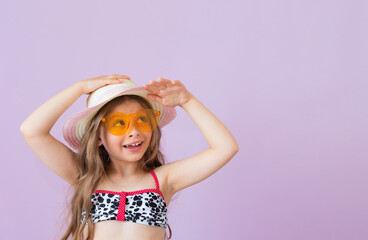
x: 118, y: 123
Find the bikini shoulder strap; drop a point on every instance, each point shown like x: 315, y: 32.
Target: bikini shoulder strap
x: 156, y: 180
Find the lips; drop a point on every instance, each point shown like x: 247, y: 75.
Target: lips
x: 133, y: 144
x: 133, y: 147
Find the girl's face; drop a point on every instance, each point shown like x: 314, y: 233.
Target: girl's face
x: 119, y: 147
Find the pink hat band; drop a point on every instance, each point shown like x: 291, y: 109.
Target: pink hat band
x: 74, y: 127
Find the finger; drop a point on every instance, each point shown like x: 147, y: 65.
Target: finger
x: 177, y: 83
x: 153, y: 83
x: 118, y: 76
x: 157, y: 85
x: 155, y: 98
x: 111, y: 80
x: 167, y: 91
x: 117, y: 79
x: 165, y: 81
x: 114, y: 80
x: 152, y: 89
x: 111, y: 76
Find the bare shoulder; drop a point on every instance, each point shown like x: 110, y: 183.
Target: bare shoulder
x: 162, y: 174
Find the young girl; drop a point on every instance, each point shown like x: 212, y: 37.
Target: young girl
x: 118, y: 172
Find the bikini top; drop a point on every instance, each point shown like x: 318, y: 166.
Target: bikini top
x: 145, y: 206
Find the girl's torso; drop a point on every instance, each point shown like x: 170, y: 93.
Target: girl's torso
x: 126, y: 228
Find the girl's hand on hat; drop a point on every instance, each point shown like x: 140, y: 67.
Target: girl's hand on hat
x: 91, y: 84
x: 168, y: 93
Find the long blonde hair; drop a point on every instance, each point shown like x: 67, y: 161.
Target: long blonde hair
x: 93, y: 163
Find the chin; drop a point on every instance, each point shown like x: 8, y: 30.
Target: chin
x: 135, y: 157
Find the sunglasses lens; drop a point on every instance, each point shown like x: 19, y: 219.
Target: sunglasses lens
x: 147, y: 119
x: 116, y: 123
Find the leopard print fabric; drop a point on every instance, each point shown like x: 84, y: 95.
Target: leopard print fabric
x: 146, y: 206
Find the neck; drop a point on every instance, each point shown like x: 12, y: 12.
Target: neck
x: 124, y: 170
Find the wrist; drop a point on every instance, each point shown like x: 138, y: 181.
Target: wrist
x: 79, y: 87
x: 189, y: 99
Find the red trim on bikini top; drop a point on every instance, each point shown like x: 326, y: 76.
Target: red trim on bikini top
x: 157, y: 190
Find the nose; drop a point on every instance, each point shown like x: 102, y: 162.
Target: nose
x: 132, y: 129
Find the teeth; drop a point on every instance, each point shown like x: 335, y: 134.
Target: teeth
x: 135, y: 144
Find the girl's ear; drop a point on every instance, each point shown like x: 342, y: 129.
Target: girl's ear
x: 99, y: 137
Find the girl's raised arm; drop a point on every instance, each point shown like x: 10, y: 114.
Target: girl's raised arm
x: 36, y: 128
x: 222, y: 144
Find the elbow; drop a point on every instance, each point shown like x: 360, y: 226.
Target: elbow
x: 231, y: 150
x: 26, y: 132
x: 235, y: 145
x: 228, y: 150
x: 235, y: 149
x: 22, y: 129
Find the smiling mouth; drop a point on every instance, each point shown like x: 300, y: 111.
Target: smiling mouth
x: 134, y: 145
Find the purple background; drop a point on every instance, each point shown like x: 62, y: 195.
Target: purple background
x: 288, y: 78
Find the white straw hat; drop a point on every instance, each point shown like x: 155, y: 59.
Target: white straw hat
x: 75, y: 126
